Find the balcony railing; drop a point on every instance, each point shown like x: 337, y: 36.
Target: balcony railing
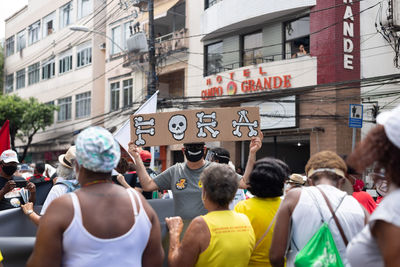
x: 165, y: 46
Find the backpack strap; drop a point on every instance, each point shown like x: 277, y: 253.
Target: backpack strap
x: 266, y: 232
x: 339, y: 226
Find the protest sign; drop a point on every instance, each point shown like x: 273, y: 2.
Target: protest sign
x: 189, y: 126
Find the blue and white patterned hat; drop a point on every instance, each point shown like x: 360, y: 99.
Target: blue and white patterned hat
x: 97, y: 150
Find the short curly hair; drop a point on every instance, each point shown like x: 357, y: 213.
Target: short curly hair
x: 220, y: 183
x: 377, y: 148
x: 325, y: 159
x: 268, y: 178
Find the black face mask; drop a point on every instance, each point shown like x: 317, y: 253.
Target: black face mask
x: 194, y: 155
x: 9, y: 170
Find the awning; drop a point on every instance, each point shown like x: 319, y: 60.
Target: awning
x: 160, y: 11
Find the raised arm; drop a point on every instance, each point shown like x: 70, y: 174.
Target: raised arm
x: 144, y: 178
x: 255, y: 145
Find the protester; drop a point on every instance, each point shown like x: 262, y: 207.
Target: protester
x: 220, y: 238
x: 101, y: 224
x: 66, y: 183
x: 303, y: 207
x: 295, y: 180
x: 362, y: 197
x: 10, y: 187
x: 38, y: 176
x: 266, y: 184
x: 379, y: 242
x: 1, y: 259
x: 183, y: 179
x: 146, y: 159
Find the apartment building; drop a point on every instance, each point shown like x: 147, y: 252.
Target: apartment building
x: 286, y: 57
x: 46, y: 60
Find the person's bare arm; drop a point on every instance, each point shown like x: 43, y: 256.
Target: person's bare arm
x: 282, y: 228
x: 48, y: 246
x: 122, y: 181
x: 387, y: 236
x: 153, y: 255
x: 32, y: 190
x: 195, y: 241
x: 28, y: 210
x: 255, y: 145
x: 144, y: 178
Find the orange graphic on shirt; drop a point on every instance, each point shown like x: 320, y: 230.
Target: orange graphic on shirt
x: 181, y: 184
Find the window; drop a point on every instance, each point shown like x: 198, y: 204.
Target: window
x: 48, y: 69
x: 33, y: 32
x: 127, y: 89
x: 65, y: 62
x: 10, y: 46
x: 48, y: 24
x: 213, y: 57
x: 126, y: 35
x: 20, y: 79
x: 64, y: 112
x: 66, y: 15
x: 114, y: 96
x: 209, y: 3
x: 116, y: 43
x: 252, y: 49
x: 33, y: 73
x: 297, y: 38
x: 84, y: 56
x: 21, y: 42
x: 10, y: 83
x: 84, y: 8
x: 82, y: 105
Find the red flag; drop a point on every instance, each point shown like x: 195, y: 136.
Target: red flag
x: 5, y: 137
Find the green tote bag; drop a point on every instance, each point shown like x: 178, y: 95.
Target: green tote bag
x: 320, y: 251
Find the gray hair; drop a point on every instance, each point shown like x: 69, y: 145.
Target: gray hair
x: 66, y: 173
x: 220, y: 183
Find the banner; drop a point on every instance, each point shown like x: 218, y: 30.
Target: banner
x: 189, y: 126
x: 123, y: 135
x: 5, y: 137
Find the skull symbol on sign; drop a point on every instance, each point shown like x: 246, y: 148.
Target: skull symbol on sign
x: 177, y: 126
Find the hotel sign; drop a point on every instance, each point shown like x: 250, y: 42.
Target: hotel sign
x: 244, y: 81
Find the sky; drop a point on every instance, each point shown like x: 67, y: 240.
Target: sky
x: 7, y: 8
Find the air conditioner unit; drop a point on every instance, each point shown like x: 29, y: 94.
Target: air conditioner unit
x: 141, y: 4
x: 102, y: 46
x: 137, y: 43
x: 396, y: 14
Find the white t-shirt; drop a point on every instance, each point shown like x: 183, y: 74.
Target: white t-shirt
x: 363, y: 250
x: 55, y: 192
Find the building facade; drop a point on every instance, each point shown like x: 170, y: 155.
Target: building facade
x: 46, y: 60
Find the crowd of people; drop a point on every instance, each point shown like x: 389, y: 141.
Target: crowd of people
x: 267, y: 217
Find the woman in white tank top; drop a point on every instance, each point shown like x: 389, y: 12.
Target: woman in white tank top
x: 378, y: 244
x: 101, y: 224
x: 299, y: 216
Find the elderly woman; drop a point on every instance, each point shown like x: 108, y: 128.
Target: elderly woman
x: 266, y: 184
x: 100, y: 224
x: 221, y: 237
x: 379, y: 242
x: 65, y: 183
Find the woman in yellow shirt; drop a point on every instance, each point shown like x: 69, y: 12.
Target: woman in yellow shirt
x: 266, y: 184
x: 221, y: 237
x: 1, y: 260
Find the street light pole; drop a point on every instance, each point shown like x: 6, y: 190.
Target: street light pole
x: 79, y: 28
x: 151, y: 83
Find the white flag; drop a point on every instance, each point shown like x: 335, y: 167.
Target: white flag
x: 123, y: 135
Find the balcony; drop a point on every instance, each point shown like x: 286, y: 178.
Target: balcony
x: 241, y: 14
x: 166, y: 46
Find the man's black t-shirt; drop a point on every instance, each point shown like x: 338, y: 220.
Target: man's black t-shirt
x: 12, y: 199
x: 133, y: 180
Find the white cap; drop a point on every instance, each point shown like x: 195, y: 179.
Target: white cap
x: 391, y: 122
x: 9, y: 156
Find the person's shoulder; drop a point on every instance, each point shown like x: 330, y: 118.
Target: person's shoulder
x: 198, y: 223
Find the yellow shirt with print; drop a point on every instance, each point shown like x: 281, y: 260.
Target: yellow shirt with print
x: 231, y: 241
x: 260, y: 212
